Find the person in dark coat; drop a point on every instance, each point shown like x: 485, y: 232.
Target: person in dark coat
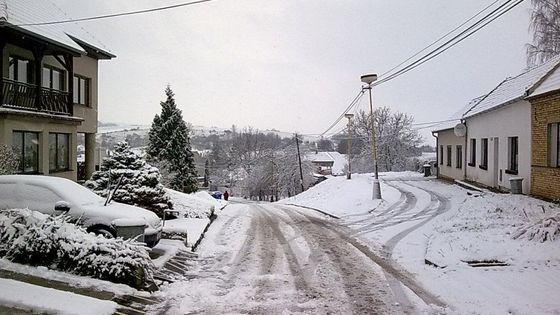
x: 226, y: 195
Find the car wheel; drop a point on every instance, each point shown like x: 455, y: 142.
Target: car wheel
x: 103, y: 230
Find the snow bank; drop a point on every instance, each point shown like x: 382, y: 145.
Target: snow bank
x: 340, y: 197
x: 195, y: 205
x: 39, y: 299
x: 191, y: 227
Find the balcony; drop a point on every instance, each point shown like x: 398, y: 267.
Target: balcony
x: 23, y: 96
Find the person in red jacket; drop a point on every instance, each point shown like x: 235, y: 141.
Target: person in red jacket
x: 226, y: 195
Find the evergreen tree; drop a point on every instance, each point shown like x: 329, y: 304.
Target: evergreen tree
x: 140, y: 185
x: 169, y: 146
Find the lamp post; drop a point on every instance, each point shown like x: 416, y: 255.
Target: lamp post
x: 349, y: 116
x: 369, y: 79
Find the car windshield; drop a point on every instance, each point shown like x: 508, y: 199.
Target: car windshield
x: 78, y: 194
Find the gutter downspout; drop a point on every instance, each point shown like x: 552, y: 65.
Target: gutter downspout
x: 437, y: 152
x: 465, y: 165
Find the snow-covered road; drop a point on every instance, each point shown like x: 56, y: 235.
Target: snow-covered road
x: 275, y: 259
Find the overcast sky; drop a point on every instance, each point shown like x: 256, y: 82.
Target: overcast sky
x: 294, y: 65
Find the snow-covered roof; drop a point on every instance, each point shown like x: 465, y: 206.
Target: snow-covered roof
x: 515, y: 88
x: 508, y: 91
x: 18, y: 14
x: 338, y: 160
x: 457, y: 116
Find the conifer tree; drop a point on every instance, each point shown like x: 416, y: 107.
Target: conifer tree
x: 169, y: 146
x: 140, y: 185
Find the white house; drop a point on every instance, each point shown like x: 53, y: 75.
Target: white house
x: 493, y: 142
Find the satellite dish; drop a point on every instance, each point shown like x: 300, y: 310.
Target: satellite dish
x: 460, y: 130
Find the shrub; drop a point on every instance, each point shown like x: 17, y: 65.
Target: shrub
x: 32, y: 238
x: 8, y: 160
x: 547, y: 229
x: 140, y: 184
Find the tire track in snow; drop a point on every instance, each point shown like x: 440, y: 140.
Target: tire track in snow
x: 364, y: 289
x: 402, y: 277
x: 408, y: 204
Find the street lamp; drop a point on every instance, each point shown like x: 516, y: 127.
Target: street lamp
x: 349, y: 116
x: 369, y: 79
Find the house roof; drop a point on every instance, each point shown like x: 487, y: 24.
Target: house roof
x: 508, y: 91
x: 19, y: 14
x: 338, y: 160
x: 457, y: 116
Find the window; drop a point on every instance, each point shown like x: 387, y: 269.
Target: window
x: 554, y: 144
x: 26, y: 146
x: 20, y: 69
x: 484, y: 153
x: 53, y: 78
x: 81, y: 90
x: 58, y: 151
x: 513, y: 155
x: 459, y: 156
x: 441, y: 154
x: 448, y: 155
x: 472, y: 161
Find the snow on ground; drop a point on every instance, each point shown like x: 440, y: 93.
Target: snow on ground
x: 225, y: 236
x: 428, y: 219
x: 340, y: 197
x: 192, y: 227
x: 70, y: 279
x: 46, y: 300
x: 195, y: 205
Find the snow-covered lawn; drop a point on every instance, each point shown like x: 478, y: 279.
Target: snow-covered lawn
x: 195, y: 205
x: 423, y: 222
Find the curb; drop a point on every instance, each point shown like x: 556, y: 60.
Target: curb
x: 212, y: 217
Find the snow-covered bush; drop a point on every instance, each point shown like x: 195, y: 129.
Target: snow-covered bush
x: 8, y: 160
x: 36, y: 239
x: 547, y: 229
x: 140, y: 185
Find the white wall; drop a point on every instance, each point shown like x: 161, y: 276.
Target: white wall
x: 445, y: 138
x: 508, y: 121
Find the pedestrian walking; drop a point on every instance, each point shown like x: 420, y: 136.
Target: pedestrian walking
x: 226, y: 195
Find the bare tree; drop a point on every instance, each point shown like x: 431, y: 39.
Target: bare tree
x: 545, y: 26
x: 395, y: 137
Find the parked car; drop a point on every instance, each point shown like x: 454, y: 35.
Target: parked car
x: 217, y: 194
x: 53, y: 195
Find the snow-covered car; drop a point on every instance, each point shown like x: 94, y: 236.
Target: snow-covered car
x: 53, y: 195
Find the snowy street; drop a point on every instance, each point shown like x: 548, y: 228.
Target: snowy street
x: 263, y: 258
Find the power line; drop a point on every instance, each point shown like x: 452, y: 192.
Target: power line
x: 487, y: 19
x: 352, y: 104
x: 116, y: 14
x: 441, y: 38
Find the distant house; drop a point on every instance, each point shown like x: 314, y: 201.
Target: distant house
x: 48, y: 87
x: 327, y: 163
x: 545, y: 137
x: 492, y: 143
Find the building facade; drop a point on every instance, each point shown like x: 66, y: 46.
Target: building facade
x: 48, y: 85
x: 545, y: 137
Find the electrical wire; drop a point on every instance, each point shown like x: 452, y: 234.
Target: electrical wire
x: 350, y: 106
x: 441, y: 38
x: 169, y: 7
x: 487, y: 19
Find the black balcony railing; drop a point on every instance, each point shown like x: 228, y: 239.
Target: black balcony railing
x: 20, y: 95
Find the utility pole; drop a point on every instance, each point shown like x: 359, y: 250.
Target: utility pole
x: 349, y: 116
x: 299, y: 160
x: 369, y: 79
